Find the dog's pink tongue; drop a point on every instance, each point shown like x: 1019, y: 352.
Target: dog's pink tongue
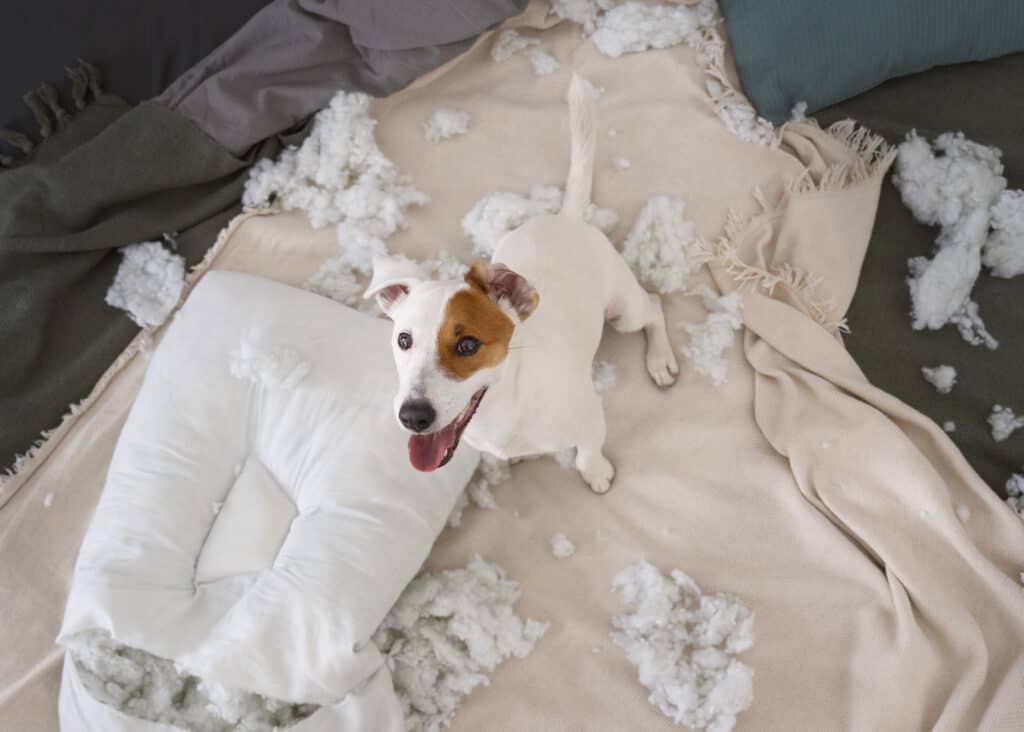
x: 427, y: 451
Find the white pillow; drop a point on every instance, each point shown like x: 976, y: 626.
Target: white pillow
x: 260, y: 515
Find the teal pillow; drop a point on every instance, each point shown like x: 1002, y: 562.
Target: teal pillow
x: 819, y: 52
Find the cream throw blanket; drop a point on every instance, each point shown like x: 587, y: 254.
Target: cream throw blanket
x: 827, y: 506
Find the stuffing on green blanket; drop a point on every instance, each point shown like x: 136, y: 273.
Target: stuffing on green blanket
x: 148, y: 283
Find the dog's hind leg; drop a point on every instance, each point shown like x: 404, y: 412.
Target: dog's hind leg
x: 591, y: 463
x: 632, y: 308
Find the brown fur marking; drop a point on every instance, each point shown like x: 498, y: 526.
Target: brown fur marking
x: 471, y: 312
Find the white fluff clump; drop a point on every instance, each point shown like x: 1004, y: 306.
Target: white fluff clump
x: 339, y: 177
x: 445, y: 267
x: 961, y: 190
x: 274, y: 366
x: 445, y: 122
x: 490, y: 473
x: 620, y: 163
x: 662, y: 248
x: 943, y: 377
x: 584, y: 12
x: 683, y: 644
x: 949, y: 426
x: 1004, y: 422
x: 508, y: 44
x: 963, y: 513
x: 562, y: 547
x: 543, y: 63
x: 711, y: 339
x: 603, y: 374
x: 48, y: 500
x: 148, y: 687
x: 634, y: 27
x: 148, y: 284
x: 1015, y: 496
x: 445, y: 633
x: 799, y: 112
x: 941, y: 189
x: 972, y: 328
x: 1003, y: 252
x: 497, y: 214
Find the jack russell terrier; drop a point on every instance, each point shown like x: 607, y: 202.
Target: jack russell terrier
x: 522, y: 332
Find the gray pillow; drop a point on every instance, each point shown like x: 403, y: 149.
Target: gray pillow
x: 788, y: 51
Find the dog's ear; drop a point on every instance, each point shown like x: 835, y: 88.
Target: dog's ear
x: 393, y: 277
x: 504, y: 286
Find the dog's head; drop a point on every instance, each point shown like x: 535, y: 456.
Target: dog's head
x: 450, y: 342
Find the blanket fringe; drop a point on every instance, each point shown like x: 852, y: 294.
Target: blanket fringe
x: 17, y: 139
x: 25, y: 464
x: 45, y: 105
x: 731, y: 104
x: 872, y: 153
x: 803, y: 286
x: 38, y: 108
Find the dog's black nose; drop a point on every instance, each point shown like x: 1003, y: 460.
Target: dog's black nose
x: 417, y: 415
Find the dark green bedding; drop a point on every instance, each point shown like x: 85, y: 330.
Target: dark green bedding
x: 984, y: 100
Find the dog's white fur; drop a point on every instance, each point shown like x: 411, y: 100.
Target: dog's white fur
x: 541, y: 397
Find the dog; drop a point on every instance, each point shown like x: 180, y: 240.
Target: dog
x: 503, y: 358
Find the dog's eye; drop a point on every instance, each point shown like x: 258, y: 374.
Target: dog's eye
x: 404, y: 341
x: 467, y: 346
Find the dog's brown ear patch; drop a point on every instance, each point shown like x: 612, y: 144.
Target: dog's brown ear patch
x: 503, y: 285
x: 470, y: 313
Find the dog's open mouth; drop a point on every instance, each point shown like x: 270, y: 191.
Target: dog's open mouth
x: 432, y: 450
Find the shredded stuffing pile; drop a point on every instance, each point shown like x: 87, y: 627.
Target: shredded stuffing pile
x: 148, y: 283
x: 339, y: 177
x: 1004, y: 248
x: 1004, y: 422
x: 583, y: 12
x: 445, y: 122
x: 562, y: 547
x: 662, y: 248
x: 634, y: 27
x: 943, y: 377
x: 490, y: 473
x: 710, y: 340
x: 496, y: 214
x: 603, y: 374
x: 683, y: 644
x: 445, y: 633
x: 274, y: 366
x: 142, y: 685
x: 957, y: 185
x: 1015, y: 494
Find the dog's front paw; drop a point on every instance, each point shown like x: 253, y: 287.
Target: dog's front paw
x: 598, y: 474
x: 663, y: 367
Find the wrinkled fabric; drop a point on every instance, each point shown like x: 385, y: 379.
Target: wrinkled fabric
x: 289, y: 60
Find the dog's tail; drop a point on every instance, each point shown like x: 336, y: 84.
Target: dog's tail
x: 582, y: 105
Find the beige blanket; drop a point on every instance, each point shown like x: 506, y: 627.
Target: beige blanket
x: 827, y: 506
